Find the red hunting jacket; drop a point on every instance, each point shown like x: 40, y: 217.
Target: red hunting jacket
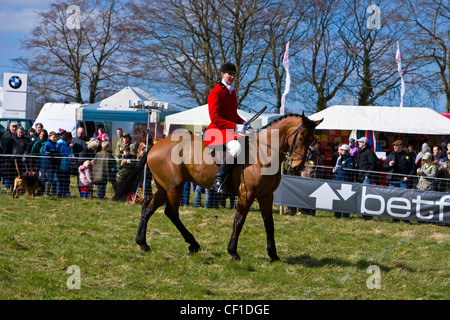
x: 222, y: 108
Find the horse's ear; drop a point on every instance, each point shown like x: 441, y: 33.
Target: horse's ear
x: 318, y: 122
x: 303, y: 116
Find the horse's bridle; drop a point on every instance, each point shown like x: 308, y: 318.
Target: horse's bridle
x: 291, y: 149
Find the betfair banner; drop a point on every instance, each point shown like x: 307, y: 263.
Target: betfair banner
x: 356, y: 198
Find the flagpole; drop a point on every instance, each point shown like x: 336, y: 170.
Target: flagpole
x: 288, y: 79
x: 398, y: 58
x: 286, y: 90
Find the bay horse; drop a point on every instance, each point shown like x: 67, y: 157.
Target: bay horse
x: 288, y: 135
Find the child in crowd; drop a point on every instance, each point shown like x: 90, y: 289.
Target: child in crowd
x: 125, y: 163
x: 85, y: 176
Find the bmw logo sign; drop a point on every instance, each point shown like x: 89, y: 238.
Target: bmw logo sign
x: 15, y: 82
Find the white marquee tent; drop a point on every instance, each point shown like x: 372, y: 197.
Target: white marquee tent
x: 384, y: 119
x: 54, y: 116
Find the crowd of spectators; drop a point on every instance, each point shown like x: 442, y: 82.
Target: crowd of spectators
x: 57, y: 156
x: 427, y: 169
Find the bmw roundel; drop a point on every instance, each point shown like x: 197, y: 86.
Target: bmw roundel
x: 15, y: 82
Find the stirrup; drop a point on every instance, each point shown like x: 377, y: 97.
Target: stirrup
x: 218, y: 183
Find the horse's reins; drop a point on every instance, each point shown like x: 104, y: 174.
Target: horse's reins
x: 294, y: 139
x: 291, y: 148
x: 287, y: 154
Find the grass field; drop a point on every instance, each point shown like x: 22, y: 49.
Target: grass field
x: 321, y: 257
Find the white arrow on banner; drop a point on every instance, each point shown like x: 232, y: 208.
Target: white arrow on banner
x: 324, y: 197
x: 346, y: 191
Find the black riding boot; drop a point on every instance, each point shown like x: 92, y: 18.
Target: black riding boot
x: 217, y: 185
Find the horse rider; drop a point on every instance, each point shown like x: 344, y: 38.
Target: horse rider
x: 225, y: 122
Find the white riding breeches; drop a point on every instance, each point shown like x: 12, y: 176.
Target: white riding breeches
x: 234, y: 148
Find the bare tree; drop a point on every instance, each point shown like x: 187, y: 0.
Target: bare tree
x: 287, y: 23
x: 184, y: 42
x: 326, y: 63
x: 431, y: 19
x: 75, y: 48
x: 373, y: 47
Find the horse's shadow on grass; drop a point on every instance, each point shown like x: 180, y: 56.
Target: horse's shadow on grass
x: 311, y: 262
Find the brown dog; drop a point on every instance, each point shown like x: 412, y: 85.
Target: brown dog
x: 29, y: 183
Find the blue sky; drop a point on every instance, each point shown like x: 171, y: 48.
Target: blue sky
x: 17, y: 18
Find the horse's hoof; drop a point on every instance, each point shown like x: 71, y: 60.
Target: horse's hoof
x: 235, y: 257
x: 144, y: 247
x: 194, y: 249
x: 276, y: 259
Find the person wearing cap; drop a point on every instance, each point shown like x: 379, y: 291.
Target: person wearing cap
x: 61, y: 131
x: 127, y: 141
x: 444, y: 172
x: 125, y: 163
x: 18, y: 147
x: 225, y: 123
x: 343, y: 170
x: 424, y: 149
x: 354, y: 150
x: 367, y: 164
x: 11, y: 132
x: 6, y: 144
x: 427, y: 172
x: 400, y: 166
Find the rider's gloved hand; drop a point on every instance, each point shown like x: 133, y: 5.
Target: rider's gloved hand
x: 241, y: 128
x: 248, y: 125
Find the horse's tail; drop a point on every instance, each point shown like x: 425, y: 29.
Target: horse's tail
x: 129, y: 182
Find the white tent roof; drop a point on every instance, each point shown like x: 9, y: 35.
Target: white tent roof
x: 117, y: 107
x: 199, y: 116
x: 121, y: 99
x: 385, y: 119
x: 54, y: 116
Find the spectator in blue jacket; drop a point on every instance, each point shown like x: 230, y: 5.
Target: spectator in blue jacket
x: 50, y: 163
x: 344, y: 170
x: 64, y: 147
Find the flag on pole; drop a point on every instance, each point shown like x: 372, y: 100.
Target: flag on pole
x: 370, y: 135
x: 288, y: 79
x: 398, y: 58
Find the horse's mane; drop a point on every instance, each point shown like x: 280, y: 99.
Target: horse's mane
x: 284, y: 117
